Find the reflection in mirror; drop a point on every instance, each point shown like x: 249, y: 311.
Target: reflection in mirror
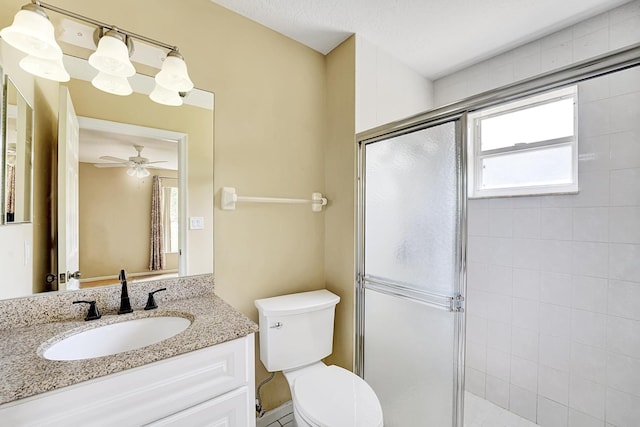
x: 30, y: 252
x: 18, y: 155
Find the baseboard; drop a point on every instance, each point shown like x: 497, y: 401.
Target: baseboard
x: 274, y: 414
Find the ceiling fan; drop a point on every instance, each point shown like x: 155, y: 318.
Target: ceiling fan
x: 137, y: 164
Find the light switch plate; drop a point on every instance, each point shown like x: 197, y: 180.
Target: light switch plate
x: 196, y: 223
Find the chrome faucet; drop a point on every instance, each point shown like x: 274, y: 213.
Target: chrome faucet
x: 125, y: 305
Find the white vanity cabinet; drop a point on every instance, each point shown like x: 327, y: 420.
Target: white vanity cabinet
x: 213, y: 386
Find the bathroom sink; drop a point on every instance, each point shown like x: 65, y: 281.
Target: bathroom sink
x: 116, y: 338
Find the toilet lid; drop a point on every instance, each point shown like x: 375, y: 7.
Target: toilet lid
x: 335, y: 397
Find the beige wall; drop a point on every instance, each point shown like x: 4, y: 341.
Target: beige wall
x: 271, y: 132
x: 115, y: 221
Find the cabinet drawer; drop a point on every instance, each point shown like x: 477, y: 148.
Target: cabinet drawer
x: 141, y: 395
x: 228, y: 410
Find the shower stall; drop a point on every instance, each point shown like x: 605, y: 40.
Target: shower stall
x: 528, y: 304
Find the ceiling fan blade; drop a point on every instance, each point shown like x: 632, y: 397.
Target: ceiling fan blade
x: 110, y: 165
x: 113, y: 159
x: 159, y: 161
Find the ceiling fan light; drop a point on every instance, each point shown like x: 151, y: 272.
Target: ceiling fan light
x: 50, y: 69
x: 32, y: 33
x: 131, y: 171
x: 112, y: 84
x: 112, y: 56
x: 142, y: 173
x: 174, y: 74
x: 165, y: 96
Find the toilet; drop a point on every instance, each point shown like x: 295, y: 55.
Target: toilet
x: 296, y: 332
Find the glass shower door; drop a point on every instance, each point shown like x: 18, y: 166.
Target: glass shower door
x: 410, y: 321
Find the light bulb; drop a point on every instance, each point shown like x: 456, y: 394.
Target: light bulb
x: 174, y: 75
x: 112, y: 56
x: 50, y: 69
x: 165, y: 96
x: 112, y: 84
x: 32, y: 33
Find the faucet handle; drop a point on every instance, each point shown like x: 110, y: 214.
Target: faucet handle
x: 151, y: 301
x: 93, y: 313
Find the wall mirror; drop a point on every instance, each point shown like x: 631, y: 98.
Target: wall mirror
x: 18, y: 155
x: 114, y: 201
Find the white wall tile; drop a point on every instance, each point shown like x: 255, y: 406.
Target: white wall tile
x: 590, y: 259
x: 476, y: 329
x: 498, y: 363
x: 623, y: 336
x: 624, y: 33
x: 499, y: 307
x: 500, y: 280
x: 626, y: 81
x: 526, y: 284
x: 623, y: 373
x: 477, y: 221
x: 556, y: 288
x: 500, y: 251
x: 500, y: 222
x: 625, y: 187
x: 555, y: 352
x: 594, y: 153
x: 499, y: 335
x: 590, y: 25
x: 477, y: 276
x: 555, y: 256
x: 524, y: 374
x: 556, y: 223
x: 579, y: 419
x: 590, y: 45
x: 623, y: 298
x: 497, y: 391
x: 557, y: 56
x: 623, y: 409
x: 477, y: 303
x: 526, y: 222
x: 523, y: 402
x: 593, y: 90
x: 591, y: 224
x: 625, y: 150
x: 525, y: 314
x: 476, y: 356
x: 587, y: 397
x: 589, y: 293
x: 524, y: 343
x: 588, y: 362
x: 595, y: 118
x: 555, y: 321
x: 526, y: 253
x: 594, y: 189
x: 623, y: 262
x: 474, y: 381
x: 588, y: 328
x: 551, y: 414
x: 553, y: 384
x: 624, y: 222
x: 625, y: 110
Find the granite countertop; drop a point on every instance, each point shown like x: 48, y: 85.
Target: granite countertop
x: 26, y: 373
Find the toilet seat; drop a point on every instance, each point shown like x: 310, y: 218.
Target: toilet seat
x: 335, y: 397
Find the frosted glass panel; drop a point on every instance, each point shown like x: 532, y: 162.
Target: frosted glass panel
x: 409, y: 360
x: 411, y: 209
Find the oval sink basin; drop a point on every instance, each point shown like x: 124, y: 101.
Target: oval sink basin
x: 116, y: 338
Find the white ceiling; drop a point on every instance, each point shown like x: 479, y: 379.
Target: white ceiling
x: 434, y: 37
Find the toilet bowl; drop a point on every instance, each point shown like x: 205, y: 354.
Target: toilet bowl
x: 330, y: 396
x: 296, y: 333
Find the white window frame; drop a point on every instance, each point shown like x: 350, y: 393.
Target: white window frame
x: 476, y: 155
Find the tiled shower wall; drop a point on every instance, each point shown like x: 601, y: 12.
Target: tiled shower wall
x: 553, y: 299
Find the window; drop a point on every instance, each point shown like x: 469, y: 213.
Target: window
x: 170, y: 217
x: 525, y: 147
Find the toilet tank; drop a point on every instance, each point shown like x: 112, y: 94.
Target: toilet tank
x: 296, y: 329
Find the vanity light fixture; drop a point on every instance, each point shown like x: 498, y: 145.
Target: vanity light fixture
x: 33, y: 34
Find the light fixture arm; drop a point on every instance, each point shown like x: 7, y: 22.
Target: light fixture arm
x: 97, y: 23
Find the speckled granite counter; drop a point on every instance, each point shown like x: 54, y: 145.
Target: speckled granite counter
x: 27, y: 323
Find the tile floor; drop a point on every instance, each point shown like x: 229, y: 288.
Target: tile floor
x: 477, y: 413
